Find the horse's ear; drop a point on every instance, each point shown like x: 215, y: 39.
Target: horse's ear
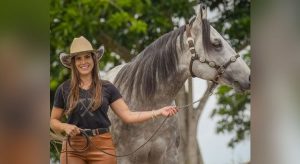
x: 202, y: 14
x: 203, y: 9
x: 101, y: 50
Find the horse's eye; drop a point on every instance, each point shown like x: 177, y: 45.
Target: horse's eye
x: 217, y: 43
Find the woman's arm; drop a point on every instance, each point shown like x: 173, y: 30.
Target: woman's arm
x: 122, y: 110
x: 58, y: 126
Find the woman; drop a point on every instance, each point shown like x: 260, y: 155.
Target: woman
x: 85, y: 100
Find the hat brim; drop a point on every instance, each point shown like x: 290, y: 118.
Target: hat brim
x: 66, y: 59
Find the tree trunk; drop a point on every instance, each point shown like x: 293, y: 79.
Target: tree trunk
x: 189, y: 150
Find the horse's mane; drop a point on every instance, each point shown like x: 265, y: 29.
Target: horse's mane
x: 152, y: 66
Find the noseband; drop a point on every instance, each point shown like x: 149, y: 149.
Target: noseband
x: 195, y: 56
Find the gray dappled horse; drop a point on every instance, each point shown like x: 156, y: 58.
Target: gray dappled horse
x: 153, y: 78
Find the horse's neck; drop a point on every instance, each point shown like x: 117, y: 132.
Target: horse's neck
x: 174, y: 84
x: 165, y: 94
x: 165, y: 91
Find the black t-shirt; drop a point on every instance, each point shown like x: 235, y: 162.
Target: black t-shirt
x: 82, y: 116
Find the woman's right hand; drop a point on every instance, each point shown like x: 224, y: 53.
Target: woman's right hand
x: 71, y: 130
x: 168, y: 111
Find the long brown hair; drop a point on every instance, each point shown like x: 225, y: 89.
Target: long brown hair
x: 96, y: 87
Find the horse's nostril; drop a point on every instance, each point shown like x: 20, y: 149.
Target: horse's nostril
x: 249, y: 78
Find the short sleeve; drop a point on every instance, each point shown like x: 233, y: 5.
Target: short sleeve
x: 58, y: 98
x: 114, y: 93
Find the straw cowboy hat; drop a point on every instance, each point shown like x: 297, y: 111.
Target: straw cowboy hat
x: 79, y: 45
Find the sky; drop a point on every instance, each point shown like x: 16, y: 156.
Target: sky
x: 214, y: 146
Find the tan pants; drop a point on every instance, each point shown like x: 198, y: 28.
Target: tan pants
x: 91, y: 155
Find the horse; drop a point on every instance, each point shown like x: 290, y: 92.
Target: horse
x: 153, y: 78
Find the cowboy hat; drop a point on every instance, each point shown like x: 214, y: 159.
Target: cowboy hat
x: 79, y: 45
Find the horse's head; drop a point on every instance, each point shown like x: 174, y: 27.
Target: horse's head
x: 211, y: 55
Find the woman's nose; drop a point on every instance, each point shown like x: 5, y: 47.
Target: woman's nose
x: 82, y: 61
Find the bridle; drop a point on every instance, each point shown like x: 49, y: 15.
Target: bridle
x: 195, y: 56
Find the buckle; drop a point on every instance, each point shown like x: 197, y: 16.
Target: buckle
x: 96, y: 132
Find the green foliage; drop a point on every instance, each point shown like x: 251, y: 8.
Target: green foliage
x: 236, y: 14
x: 234, y: 111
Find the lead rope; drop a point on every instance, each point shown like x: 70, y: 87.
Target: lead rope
x: 88, y: 140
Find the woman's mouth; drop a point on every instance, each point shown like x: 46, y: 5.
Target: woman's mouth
x: 84, y: 67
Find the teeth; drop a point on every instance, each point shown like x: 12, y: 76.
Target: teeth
x: 84, y: 67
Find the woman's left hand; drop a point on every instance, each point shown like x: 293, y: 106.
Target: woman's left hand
x: 168, y: 111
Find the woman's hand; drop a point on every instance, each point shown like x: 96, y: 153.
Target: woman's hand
x: 168, y: 111
x: 71, y: 130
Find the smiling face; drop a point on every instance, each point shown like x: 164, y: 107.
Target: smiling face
x: 84, y: 63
